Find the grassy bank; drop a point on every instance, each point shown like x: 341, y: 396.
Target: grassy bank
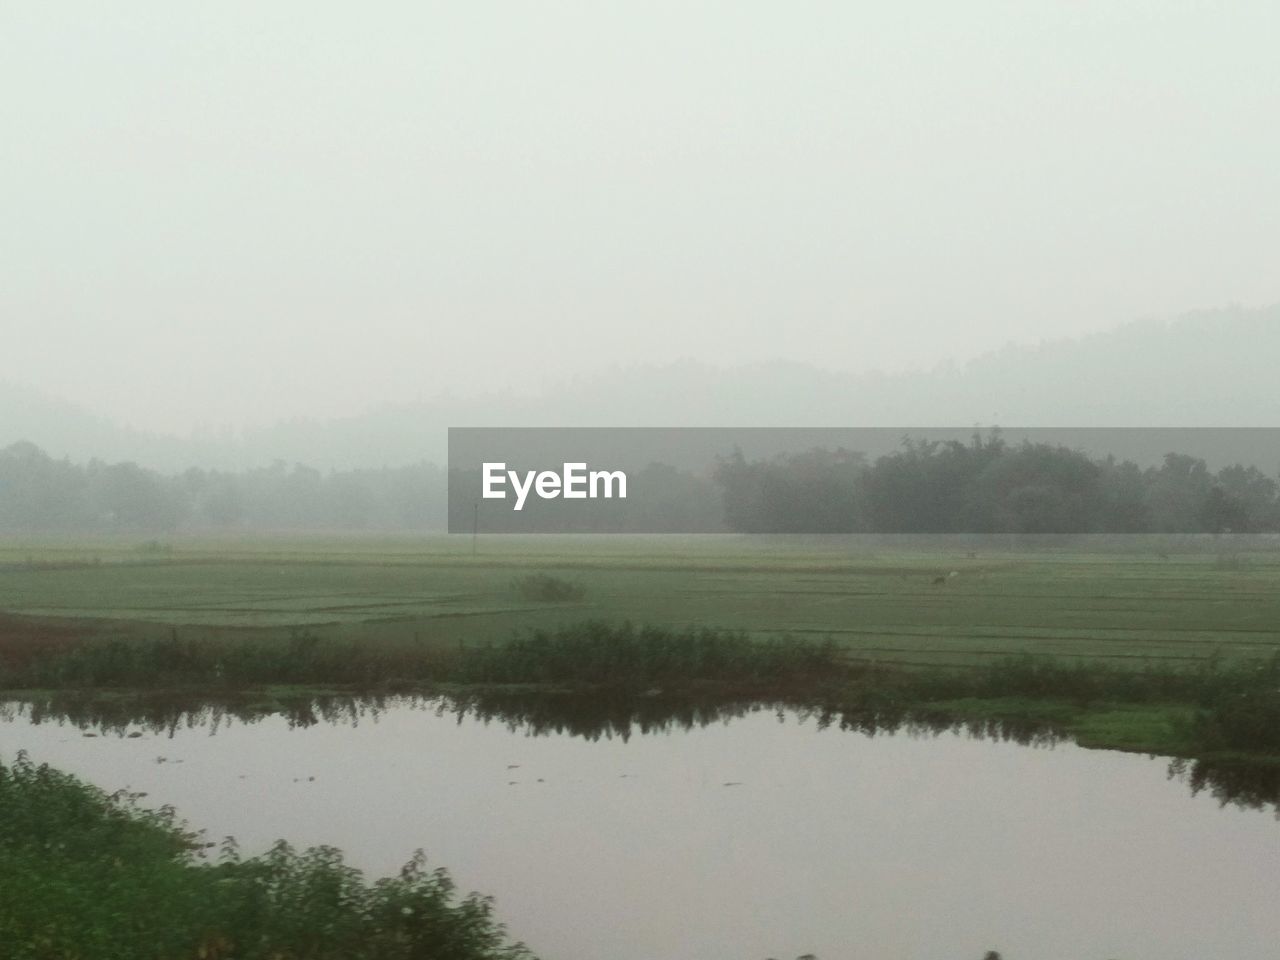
x: 592, y: 653
x: 1210, y: 708
x: 92, y: 876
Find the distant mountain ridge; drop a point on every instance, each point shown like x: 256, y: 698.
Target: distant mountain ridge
x: 64, y: 429
x: 1211, y: 368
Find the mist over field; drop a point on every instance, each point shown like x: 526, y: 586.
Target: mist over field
x: 386, y: 469
x: 1212, y: 369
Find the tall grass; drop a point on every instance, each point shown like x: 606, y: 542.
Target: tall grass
x: 591, y: 653
x: 303, y: 658
x: 595, y: 652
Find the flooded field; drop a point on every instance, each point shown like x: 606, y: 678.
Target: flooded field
x: 725, y: 835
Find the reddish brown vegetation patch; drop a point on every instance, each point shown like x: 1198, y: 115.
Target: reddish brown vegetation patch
x: 23, y: 639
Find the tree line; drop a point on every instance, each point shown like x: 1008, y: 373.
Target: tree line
x: 40, y: 494
x: 990, y: 486
x: 983, y: 486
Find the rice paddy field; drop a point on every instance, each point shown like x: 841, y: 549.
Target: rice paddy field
x: 940, y: 601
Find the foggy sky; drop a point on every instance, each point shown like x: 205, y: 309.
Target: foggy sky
x: 239, y: 212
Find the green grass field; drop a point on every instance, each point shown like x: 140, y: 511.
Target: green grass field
x: 1122, y: 604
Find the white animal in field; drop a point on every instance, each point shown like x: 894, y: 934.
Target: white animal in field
x: 954, y: 573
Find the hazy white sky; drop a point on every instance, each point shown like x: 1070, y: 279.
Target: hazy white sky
x: 242, y: 211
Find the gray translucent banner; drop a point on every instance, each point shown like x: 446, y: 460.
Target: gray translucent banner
x: 917, y: 480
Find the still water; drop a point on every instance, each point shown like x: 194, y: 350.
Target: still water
x: 760, y: 834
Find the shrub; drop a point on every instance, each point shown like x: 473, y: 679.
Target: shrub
x: 85, y: 874
x: 545, y: 588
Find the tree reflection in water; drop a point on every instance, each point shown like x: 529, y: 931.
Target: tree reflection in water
x: 592, y: 716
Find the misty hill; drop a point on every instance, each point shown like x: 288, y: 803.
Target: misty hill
x: 1214, y: 368
x: 66, y: 429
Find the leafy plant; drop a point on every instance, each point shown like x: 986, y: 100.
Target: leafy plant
x: 84, y: 874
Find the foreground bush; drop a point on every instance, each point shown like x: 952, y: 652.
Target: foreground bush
x: 87, y: 876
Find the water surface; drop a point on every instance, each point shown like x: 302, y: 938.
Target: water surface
x: 767, y: 834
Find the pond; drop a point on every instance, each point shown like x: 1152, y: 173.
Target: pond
x: 722, y: 834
